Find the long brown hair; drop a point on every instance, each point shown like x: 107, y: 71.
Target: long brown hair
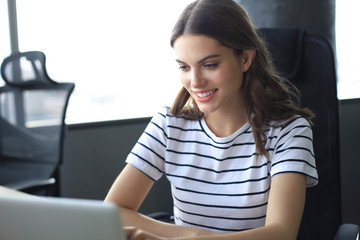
x: 268, y: 95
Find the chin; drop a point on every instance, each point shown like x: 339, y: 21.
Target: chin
x: 207, y: 109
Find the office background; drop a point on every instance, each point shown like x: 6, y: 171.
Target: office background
x: 94, y: 153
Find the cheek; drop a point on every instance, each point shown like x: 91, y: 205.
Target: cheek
x: 231, y: 80
x: 234, y: 74
x: 184, y: 80
x: 226, y: 76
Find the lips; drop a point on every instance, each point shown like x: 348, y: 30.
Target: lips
x: 204, y: 96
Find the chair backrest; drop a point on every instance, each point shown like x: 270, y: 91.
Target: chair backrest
x: 308, y: 61
x: 32, y: 113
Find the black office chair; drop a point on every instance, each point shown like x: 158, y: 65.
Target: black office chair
x: 307, y: 60
x: 32, y: 113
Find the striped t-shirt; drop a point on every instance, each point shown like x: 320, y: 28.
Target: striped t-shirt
x: 218, y: 183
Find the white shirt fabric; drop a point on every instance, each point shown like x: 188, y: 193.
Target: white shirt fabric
x: 218, y: 183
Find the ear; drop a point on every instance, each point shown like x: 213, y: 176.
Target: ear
x: 248, y: 56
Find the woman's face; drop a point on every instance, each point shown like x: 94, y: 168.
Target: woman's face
x: 211, y: 73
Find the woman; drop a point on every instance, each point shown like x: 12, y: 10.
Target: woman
x: 235, y: 146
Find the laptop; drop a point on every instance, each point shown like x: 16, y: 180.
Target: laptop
x: 47, y: 218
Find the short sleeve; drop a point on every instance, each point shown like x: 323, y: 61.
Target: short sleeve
x: 293, y: 151
x: 148, y: 154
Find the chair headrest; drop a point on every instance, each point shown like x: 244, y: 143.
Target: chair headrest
x: 25, y: 68
x: 285, y: 46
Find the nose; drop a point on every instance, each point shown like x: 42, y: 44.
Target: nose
x: 197, y: 79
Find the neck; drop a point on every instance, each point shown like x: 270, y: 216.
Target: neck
x: 223, y: 123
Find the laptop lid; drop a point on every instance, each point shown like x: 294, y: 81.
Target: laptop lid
x: 35, y: 218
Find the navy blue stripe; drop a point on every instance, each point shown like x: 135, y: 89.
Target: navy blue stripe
x: 224, y: 194
x: 155, y: 139
x: 213, y: 170
x: 290, y: 122
x: 198, y: 142
x: 211, y: 227
x: 161, y: 114
x: 294, y: 160
x: 169, y: 115
x: 217, y: 183
x: 151, y: 150
x: 297, y: 148
x: 190, y: 141
x: 245, y: 132
x: 211, y: 157
x: 295, y: 136
x: 155, y: 124
x: 298, y: 126
x: 209, y: 144
x: 219, y: 217
x: 301, y: 136
x: 158, y: 169
x: 185, y: 130
x: 271, y: 137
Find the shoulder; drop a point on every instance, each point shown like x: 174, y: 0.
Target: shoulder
x: 292, y: 139
x: 165, y: 119
x: 290, y: 127
x: 293, y: 121
x: 291, y: 149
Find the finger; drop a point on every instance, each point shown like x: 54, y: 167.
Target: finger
x: 132, y: 233
x: 138, y: 234
x: 129, y: 231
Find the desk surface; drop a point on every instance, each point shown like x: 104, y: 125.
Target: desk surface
x: 4, y: 191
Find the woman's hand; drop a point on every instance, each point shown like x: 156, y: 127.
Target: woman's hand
x: 133, y: 233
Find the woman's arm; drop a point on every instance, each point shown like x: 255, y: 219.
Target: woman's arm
x: 129, y: 191
x: 130, y: 188
x: 285, y: 208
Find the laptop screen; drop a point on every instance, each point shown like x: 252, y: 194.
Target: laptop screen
x: 35, y: 218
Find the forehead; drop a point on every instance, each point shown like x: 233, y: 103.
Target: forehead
x: 194, y: 39
x: 194, y: 47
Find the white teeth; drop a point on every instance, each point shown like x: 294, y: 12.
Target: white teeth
x: 205, y: 94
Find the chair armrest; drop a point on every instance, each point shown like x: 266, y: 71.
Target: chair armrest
x: 348, y: 231
x: 32, y: 186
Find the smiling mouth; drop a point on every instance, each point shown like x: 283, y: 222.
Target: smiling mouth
x: 205, y: 94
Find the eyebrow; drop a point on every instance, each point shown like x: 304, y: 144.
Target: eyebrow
x: 202, y: 60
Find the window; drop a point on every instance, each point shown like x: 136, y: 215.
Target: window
x: 4, y: 29
x: 348, y: 49
x: 117, y: 53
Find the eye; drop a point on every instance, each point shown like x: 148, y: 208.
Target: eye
x: 211, y: 65
x: 184, y: 68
